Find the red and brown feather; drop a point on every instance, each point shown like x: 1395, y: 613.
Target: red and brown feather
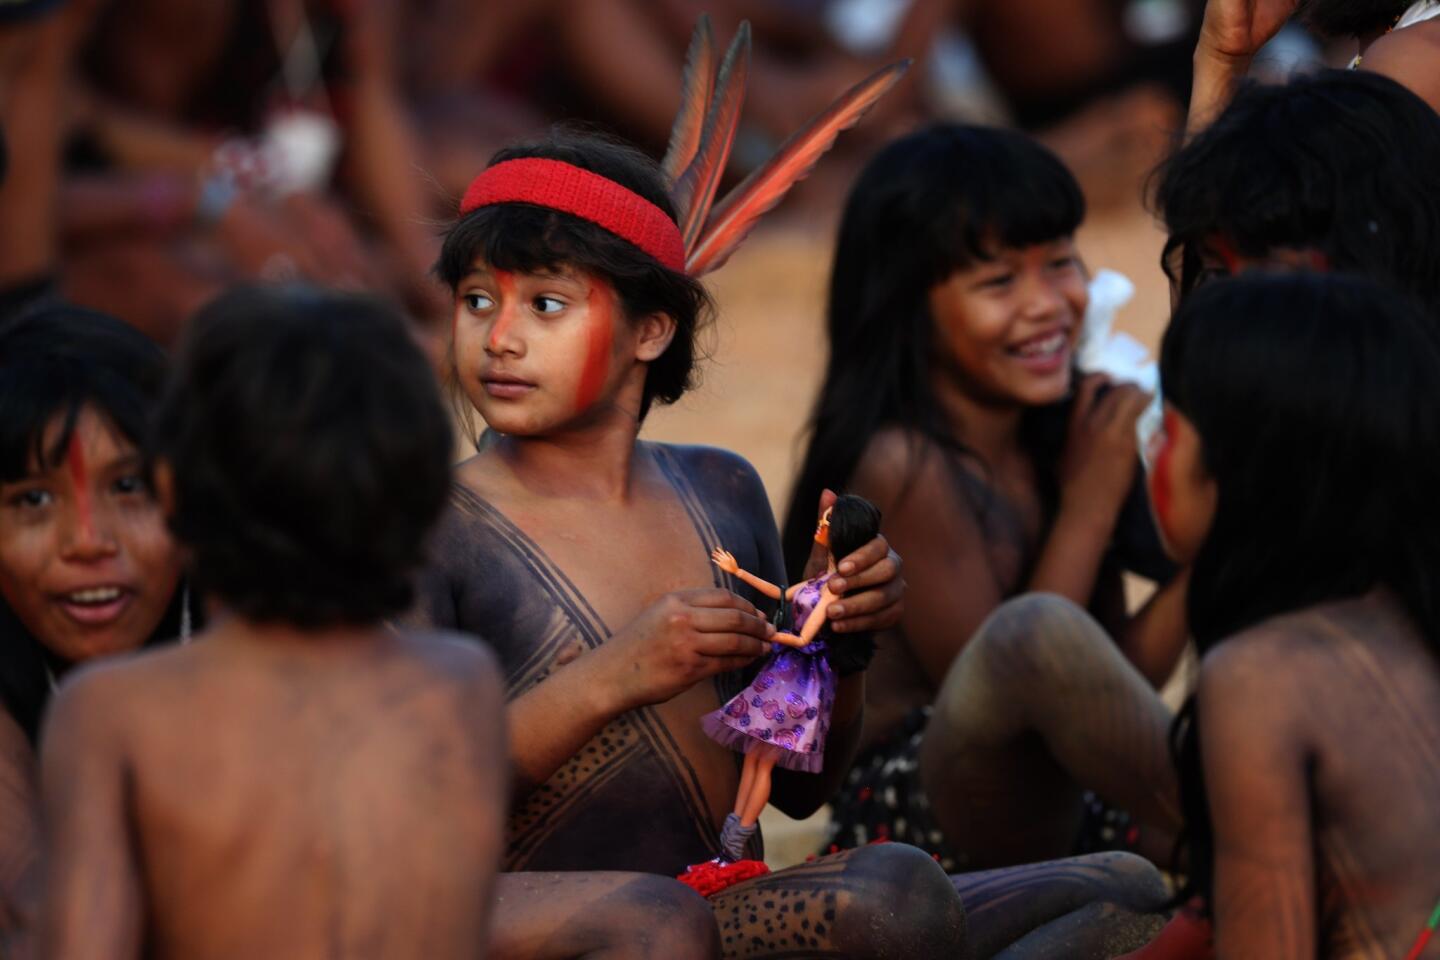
x: 758, y: 193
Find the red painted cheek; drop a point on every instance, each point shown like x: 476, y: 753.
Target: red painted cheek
x: 1228, y: 255
x: 600, y: 342
x: 505, y: 311
x: 1160, y: 477
x: 80, y: 479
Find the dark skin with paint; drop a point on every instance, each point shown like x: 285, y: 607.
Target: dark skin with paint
x: 314, y: 739
x: 582, y: 556
x: 1318, y: 731
x: 84, y: 522
x: 1322, y: 784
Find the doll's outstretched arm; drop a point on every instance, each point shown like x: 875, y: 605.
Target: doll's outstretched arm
x: 726, y: 561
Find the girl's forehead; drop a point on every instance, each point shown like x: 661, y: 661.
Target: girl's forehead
x: 91, y: 431
x: 558, y: 271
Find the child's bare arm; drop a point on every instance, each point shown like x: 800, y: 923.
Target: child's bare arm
x: 1255, y: 780
x: 678, y: 641
x: 19, y: 840
x: 92, y: 889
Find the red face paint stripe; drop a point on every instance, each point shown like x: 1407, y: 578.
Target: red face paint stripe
x: 601, y: 318
x: 1160, y: 476
x: 80, y: 479
x: 505, y: 280
x: 1226, y: 251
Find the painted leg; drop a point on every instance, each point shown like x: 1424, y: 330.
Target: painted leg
x: 1038, y: 705
x: 600, y: 916
x: 1008, y: 907
x: 882, y: 901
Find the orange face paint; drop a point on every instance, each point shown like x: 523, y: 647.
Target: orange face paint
x: 80, y: 479
x: 601, y: 340
x: 504, y: 310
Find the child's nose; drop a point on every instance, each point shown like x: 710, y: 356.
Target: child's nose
x: 88, y: 534
x: 504, y: 333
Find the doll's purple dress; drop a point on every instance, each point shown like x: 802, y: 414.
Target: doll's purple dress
x: 788, y: 703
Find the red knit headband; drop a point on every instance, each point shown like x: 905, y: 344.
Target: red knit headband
x: 580, y: 193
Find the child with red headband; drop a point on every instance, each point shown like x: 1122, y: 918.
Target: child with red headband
x: 582, y: 554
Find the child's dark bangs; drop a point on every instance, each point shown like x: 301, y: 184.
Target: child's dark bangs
x: 1014, y: 198
x: 524, y: 239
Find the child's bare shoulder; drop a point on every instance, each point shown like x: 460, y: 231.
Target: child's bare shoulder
x: 714, y: 471
x: 451, y: 653
x: 1408, y: 57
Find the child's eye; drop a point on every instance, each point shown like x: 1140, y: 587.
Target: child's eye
x: 1064, y: 263
x: 31, y: 499
x: 130, y: 483
x: 998, y: 281
x: 478, y: 301
x: 548, y: 305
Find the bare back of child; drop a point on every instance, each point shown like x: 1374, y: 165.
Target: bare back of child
x: 302, y: 780
x: 1324, y: 724
x: 267, y: 792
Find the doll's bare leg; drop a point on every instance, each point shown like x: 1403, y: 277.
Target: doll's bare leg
x: 759, y: 793
x: 556, y: 916
x: 1037, y: 706
x: 747, y: 780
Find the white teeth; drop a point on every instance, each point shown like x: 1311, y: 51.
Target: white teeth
x: 94, y: 595
x: 1047, y: 347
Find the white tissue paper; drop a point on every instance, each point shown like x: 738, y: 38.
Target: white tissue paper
x: 1103, y: 350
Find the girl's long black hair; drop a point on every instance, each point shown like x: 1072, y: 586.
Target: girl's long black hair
x: 1317, y: 403
x: 929, y: 204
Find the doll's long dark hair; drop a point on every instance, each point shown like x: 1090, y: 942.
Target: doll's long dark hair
x: 1317, y: 403
x: 929, y: 204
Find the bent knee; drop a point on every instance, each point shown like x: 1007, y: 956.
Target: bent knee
x: 901, y: 904
x: 678, y: 922
x: 1035, y: 635
x: 1130, y: 881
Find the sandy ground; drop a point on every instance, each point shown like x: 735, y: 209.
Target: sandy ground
x: 767, y: 355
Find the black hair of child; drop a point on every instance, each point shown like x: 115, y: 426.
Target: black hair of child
x: 1350, y: 18
x: 310, y: 452
x: 1317, y: 402
x: 54, y: 362
x: 526, y: 238
x: 929, y: 204
x: 1339, y: 161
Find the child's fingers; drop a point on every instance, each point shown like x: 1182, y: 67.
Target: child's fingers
x: 731, y: 645
x: 728, y: 620
x: 858, y: 567
x: 715, y: 597
x: 889, y: 596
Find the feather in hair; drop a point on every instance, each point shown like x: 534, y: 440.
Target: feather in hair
x: 762, y: 189
x: 697, y: 87
x: 695, y: 190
